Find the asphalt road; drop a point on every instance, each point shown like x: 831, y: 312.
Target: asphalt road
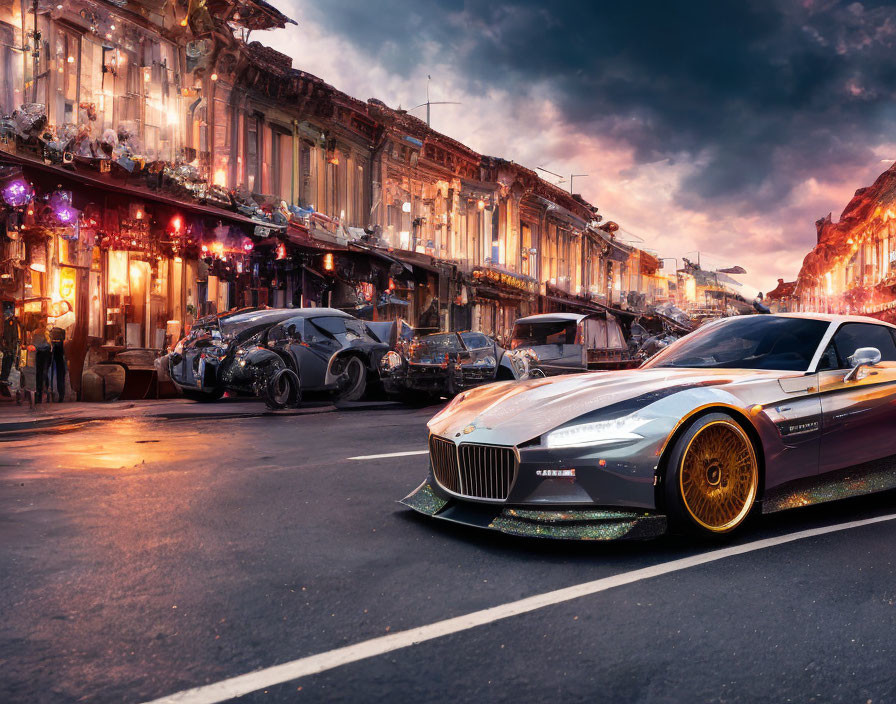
x: 140, y: 558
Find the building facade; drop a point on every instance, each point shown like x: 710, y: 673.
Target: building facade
x: 852, y: 268
x: 157, y: 166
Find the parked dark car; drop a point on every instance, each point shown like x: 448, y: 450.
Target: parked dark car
x: 277, y: 354
x: 444, y: 364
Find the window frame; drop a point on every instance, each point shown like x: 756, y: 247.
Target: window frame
x: 831, y: 341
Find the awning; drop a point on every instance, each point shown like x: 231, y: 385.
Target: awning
x: 379, y: 254
x: 106, y: 183
x: 581, y: 305
x: 616, y: 251
x: 300, y: 237
x: 497, y: 293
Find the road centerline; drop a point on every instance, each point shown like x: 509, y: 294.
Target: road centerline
x: 314, y: 664
x: 406, y: 453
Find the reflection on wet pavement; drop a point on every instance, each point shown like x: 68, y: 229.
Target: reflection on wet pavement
x: 127, y: 444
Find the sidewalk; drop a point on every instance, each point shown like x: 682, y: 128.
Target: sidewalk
x: 15, y: 418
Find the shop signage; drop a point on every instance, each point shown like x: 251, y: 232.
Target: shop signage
x: 503, y: 278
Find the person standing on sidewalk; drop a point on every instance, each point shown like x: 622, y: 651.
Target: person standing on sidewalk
x: 10, y: 341
x: 43, y: 357
x: 59, y: 325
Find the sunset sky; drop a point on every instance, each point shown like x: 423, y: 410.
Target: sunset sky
x: 728, y: 127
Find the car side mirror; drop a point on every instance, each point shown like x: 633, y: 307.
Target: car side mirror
x: 864, y: 356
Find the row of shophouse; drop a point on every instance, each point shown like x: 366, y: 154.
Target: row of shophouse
x: 852, y: 268
x: 157, y: 166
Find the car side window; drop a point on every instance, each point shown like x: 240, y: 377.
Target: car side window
x: 294, y: 328
x: 852, y: 336
x: 829, y: 359
x: 330, y: 324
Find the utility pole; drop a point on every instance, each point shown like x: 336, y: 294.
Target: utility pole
x: 562, y: 180
x: 429, y: 102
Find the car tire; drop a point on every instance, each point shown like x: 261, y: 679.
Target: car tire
x: 712, y: 476
x: 203, y: 396
x: 357, y: 380
x: 283, y: 390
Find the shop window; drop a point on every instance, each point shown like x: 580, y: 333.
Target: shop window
x: 281, y: 164
x: 67, y: 56
x: 331, y: 192
x: 360, y: 215
x: 306, y: 186
x: 10, y: 70
x: 253, y: 163
x: 92, y: 78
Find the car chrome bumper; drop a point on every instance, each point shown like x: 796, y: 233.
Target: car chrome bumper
x: 559, y: 523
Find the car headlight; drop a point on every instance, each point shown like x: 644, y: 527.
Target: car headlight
x: 600, y: 432
x: 390, y: 361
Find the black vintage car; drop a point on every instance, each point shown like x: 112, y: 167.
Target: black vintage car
x: 277, y: 354
x: 444, y: 364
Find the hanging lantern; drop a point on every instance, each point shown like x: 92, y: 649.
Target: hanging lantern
x: 176, y: 225
x: 17, y: 193
x: 328, y: 261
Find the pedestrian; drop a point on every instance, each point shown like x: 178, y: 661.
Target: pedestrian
x: 43, y: 357
x: 59, y: 326
x: 10, y: 341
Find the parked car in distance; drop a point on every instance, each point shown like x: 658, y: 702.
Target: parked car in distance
x: 444, y: 364
x: 277, y: 354
x: 561, y: 343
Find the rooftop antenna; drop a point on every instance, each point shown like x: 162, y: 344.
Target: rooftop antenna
x: 548, y: 171
x: 430, y: 102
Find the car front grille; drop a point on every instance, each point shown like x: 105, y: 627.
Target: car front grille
x: 443, y: 455
x: 469, y: 469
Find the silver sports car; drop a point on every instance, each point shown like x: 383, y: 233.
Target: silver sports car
x: 776, y: 411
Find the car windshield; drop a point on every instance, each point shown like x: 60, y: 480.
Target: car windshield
x: 750, y: 342
x: 561, y: 332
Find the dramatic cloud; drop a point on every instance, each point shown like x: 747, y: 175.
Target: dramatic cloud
x: 724, y: 127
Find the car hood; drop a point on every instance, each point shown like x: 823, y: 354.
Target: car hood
x: 514, y: 412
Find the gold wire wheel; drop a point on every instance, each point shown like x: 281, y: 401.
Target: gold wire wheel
x: 719, y: 476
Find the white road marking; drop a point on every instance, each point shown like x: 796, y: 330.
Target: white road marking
x: 314, y: 664
x: 390, y: 454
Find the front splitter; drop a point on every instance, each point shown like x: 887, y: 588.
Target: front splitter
x: 564, y: 524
